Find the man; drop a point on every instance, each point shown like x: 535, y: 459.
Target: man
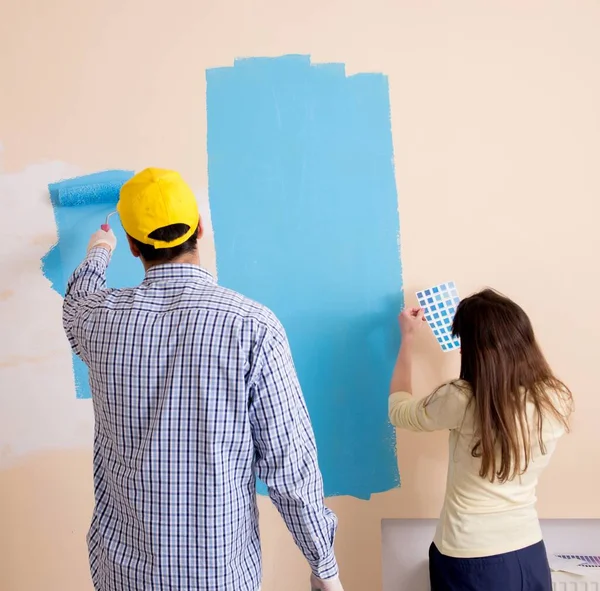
x: 195, y: 396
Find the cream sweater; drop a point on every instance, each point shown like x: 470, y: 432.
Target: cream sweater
x: 479, y: 518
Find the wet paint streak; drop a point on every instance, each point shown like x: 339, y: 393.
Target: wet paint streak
x: 74, y: 226
x: 305, y: 214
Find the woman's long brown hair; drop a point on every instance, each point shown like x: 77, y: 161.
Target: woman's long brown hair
x: 506, y: 369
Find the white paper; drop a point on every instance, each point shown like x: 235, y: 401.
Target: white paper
x: 574, y: 564
x: 439, y: 304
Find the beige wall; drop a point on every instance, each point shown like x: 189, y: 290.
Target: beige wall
x: 496, y: 122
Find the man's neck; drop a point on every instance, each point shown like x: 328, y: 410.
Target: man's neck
x: 191, y: 258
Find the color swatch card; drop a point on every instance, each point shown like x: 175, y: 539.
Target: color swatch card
x: 583, y: 561
x: 439, y: 304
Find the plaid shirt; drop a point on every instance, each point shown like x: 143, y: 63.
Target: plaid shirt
x: 195, y: 395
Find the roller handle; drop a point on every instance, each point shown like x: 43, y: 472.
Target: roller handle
x: 105, y: 226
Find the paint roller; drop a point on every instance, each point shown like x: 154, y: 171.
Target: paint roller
x: 92, y: 189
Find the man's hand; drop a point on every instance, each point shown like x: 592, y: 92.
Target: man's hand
x: 326, y: 584
x: 104, y: 238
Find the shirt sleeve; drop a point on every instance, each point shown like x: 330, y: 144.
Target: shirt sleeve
x: 444, y: 409
x: 84, y: 292
x: 286, y: 455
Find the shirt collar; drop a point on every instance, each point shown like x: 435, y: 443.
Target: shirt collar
x: 177, y: 271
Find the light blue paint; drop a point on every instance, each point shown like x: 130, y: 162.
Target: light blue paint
x: 75, y: 226
x: 98, y: 187
x: 304, y: 207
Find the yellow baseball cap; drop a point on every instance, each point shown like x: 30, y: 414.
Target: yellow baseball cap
x: 153, y: 199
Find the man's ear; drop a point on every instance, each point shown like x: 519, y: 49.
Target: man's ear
x: 135, y: 251
x: 200, y: 228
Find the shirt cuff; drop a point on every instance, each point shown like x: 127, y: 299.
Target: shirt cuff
x: 327, y: 569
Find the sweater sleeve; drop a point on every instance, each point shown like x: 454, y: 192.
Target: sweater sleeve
x: 444, y: 409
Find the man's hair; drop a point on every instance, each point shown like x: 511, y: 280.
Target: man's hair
x: 166, y: 234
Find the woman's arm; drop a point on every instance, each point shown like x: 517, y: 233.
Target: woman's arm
x: 410, y: 321
x: 444, y: 409
x: 402, y: 376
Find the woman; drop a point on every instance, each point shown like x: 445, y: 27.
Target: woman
x: 505, y: 415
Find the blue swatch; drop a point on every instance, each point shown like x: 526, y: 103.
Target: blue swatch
x: 305, y: 213
x: 75, y: 225
x: 442, y: 329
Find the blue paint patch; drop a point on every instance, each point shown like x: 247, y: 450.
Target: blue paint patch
x: 305, y: 213
x: 75, y: 226
x: 99, y: 187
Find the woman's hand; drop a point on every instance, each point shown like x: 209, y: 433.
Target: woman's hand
x: 411, y: 321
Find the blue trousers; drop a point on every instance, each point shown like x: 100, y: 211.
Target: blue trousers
x: 523, y: 570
